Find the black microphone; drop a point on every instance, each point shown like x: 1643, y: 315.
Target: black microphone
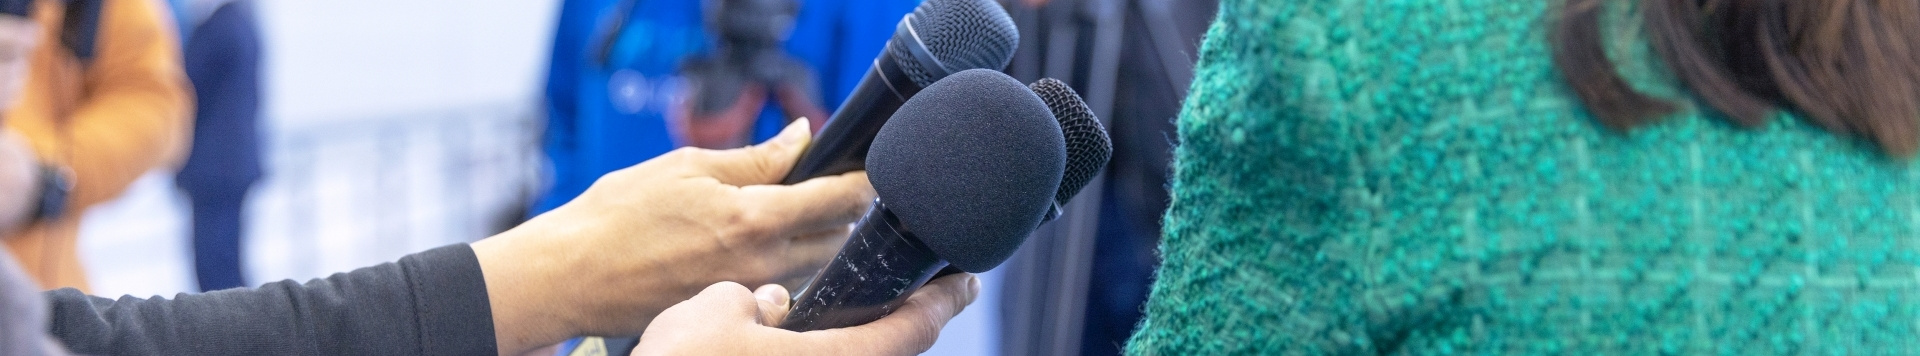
x: 1088, y: 147
x: 939, y: 38
x: 964, y: 172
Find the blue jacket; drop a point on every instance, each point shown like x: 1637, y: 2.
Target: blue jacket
x: 222, y: 59
x: 607, y: 95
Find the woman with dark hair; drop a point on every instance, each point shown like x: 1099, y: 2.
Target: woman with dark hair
x: 1529, y: 177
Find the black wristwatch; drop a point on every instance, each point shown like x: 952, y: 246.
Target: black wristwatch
x: 56, y: 183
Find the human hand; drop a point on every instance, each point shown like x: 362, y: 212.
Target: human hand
x: 646, y: 237
x: 725, y: 319
x: 18, y: 173
x: 18, y: 170
x: 18, y: 36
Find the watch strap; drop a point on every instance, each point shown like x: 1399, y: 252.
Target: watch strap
x: 56, y: 184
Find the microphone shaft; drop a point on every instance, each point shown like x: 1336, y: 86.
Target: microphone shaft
x: 843, y: 143
x: 875, y: 272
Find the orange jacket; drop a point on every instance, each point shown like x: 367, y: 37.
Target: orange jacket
x: 121, y: 115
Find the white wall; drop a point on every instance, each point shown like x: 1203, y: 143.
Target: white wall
x: 335, y: 71
x: 333, y: 60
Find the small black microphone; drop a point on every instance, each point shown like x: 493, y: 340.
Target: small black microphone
x: 939, y: 38
x: 964, y: 172
x: 1088, y: 147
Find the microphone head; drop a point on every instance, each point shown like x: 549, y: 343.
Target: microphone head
x: 969, y: 166
x: 961, y: 34
x: 1088, y: 147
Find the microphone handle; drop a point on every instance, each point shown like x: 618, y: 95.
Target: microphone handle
x: 873, y: 275
x: 843, y: 143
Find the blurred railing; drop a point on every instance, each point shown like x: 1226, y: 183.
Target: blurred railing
x: 337, y: 195
x: 347, y: 194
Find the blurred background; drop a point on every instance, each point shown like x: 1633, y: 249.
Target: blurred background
x: 388, y: 127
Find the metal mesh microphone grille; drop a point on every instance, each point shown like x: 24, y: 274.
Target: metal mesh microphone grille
x: 962, y: 34
x: 1088, y: 147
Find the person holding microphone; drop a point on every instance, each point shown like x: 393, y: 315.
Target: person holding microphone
x: 691, y: 224
x: 664, y: 247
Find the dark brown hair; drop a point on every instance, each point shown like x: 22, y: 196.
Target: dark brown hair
x: 1849, y: 66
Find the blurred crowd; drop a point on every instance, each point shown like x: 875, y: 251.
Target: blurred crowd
x: 1349, y: 176
x: 105, y: 92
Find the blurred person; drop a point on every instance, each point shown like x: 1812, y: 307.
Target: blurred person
x: 839, y: 40
x: 19, y: 171
x: 1150, y: 69
x: 608, y: 85
x: 23, y: 332
x: 1546, y: 177
x: 20, y: 177
x: 611, y: 81
x: 23, y: 313
x: 1158, y: 45
x: 222, y: 52
x: 105, y: 101
x: 615, y: 262
x: 727, y: 90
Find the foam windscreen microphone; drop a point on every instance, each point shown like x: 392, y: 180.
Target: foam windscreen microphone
x: 964, y: 172
x: 939, y: 38
x: 1088, y: 147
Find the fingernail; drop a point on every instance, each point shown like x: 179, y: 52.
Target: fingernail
x: 795, y: 133
x: 769, y: 294
x: 973, y: 287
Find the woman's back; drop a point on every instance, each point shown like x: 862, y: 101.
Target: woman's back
x: 1413, y: 176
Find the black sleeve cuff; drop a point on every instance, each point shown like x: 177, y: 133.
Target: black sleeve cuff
x: 450, y: 300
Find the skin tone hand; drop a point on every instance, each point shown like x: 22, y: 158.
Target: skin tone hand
x: 646, y: 237
x: 18, y: 168
x: 18, y: 35
x: 19, y: 177
x: 725, y: 319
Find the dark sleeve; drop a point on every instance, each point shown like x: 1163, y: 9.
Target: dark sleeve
x: 429, y: 303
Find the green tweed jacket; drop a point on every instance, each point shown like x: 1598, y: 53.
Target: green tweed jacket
x: 1413, y: 177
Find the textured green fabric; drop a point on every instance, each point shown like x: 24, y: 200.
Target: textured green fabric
x: 1412, y: 177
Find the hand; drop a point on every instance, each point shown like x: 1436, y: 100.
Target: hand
x: 646, y: 237
x: 726, y: 320
x: 18, y: 173
x: 18, y: 36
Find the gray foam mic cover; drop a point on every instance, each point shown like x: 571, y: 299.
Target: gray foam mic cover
x: 970, y: 165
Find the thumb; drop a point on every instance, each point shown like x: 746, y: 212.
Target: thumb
x: 765, y: 163
x: 773, y: 301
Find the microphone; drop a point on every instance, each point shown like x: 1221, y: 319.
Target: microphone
x: 1088, y: 148
x: 964, y: 172
x: 939, y: 38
